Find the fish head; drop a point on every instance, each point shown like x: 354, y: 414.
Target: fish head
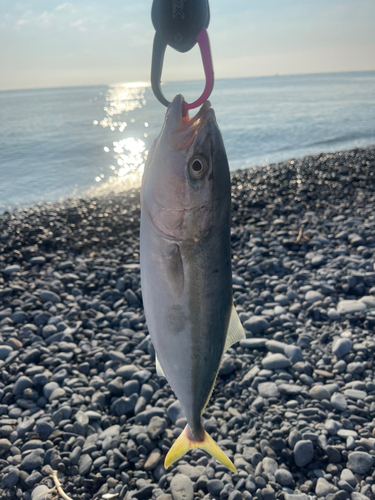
x: 186, y: 175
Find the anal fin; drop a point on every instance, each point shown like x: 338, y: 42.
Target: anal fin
x: 159, y: 369
x: 235, y: 330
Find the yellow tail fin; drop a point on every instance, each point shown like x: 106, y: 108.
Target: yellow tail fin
x: 183, y: 444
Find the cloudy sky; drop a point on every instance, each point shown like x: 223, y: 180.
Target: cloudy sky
x: 51, y: 43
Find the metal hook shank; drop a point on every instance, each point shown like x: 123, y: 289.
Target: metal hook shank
x: 158, y: 52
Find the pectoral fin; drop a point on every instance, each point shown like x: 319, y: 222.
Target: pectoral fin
x: 235, y: 330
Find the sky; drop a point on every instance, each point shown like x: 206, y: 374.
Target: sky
x: 53, y: 43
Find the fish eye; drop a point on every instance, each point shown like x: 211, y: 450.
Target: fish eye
x: 197, y: 166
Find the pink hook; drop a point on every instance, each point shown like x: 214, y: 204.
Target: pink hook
x: 204, y: 46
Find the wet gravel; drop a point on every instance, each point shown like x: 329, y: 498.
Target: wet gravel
x: 294, y: 405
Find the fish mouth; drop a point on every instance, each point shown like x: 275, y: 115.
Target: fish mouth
x: 181, y: 130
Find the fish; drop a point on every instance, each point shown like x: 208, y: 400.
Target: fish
x: 185, y: 256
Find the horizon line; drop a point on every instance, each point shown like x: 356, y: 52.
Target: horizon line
x: 148, y: 84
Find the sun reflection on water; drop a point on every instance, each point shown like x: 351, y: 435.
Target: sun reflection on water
x: 127, y: 155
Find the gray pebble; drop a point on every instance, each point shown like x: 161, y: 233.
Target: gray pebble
x: 275, y: 361
x: 11, y: 477
x: 293, y: 438
x: 319, y: 392
x: 350, y: 443
x: 38, y: 260
x: 268, y: 390
x: 188, y: 470
x: 48, y: 296
x: 341, y: 347
x: 296, y: 496
x: 235, y: 495
x: 283, y: 477
x: 175, y: 411
x: 156, y: 427
x: 348, y: 476
x: 214, y: 486
x: 339, y: 402
x: 358, y: 496
x: 182, y: 488
x: 356, y: 368
x: 57, y: 394
x: 324, y: 488
x: 5, y: 350
x: 350, y: 306
x: 355, y: 394
x: 112, y: 431
x: 21, y: 384
x: 255, y: 343
x: 9, y: 270
x: 313, y: 296
x: 84, y: 463
x: 37, y: 493
x: 333, y: 315
x: 49, y: 388
x: 5, y: 445
x: 360, y: 462
x: 294, y: 353
x: 303, y: 453
x: 257, y: 325
x: 33, y: 460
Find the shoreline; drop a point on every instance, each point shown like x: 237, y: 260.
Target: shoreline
x: 294, y: 403
x: 118, y: 192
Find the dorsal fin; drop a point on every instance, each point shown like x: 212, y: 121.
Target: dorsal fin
x: 235, y: 330
x: 159, y: 370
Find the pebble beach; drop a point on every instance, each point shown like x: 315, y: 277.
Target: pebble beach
x: 81, y: 405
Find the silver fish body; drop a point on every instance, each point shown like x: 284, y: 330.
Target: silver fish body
x: 186, y: 256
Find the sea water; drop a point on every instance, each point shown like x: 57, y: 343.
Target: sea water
x: 59, y: 143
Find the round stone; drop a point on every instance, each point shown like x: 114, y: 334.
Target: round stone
x: 303, y: 453
x: 48, y: 296
x: 275, y: 361
x: 32, y: 461
x: 37, y: 260
x: 313, y: 296
x: 339, y: 402
x: 21, y: 384
x: 257, y: 325
x: 324, y: 488
x: 182, y: 487
x: 350, y: 306
x: 268, y: 390
x: 341, y: 347
x: 319, y: 392
x: 11, y: 478
x: 9, y: 270
x: 5, y: 350
x: 214, y: 486
x: 360, y: 462
x: 333, y: 315
x: 85, y: 463
x: 283, y: 477
x: 38, y: 491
